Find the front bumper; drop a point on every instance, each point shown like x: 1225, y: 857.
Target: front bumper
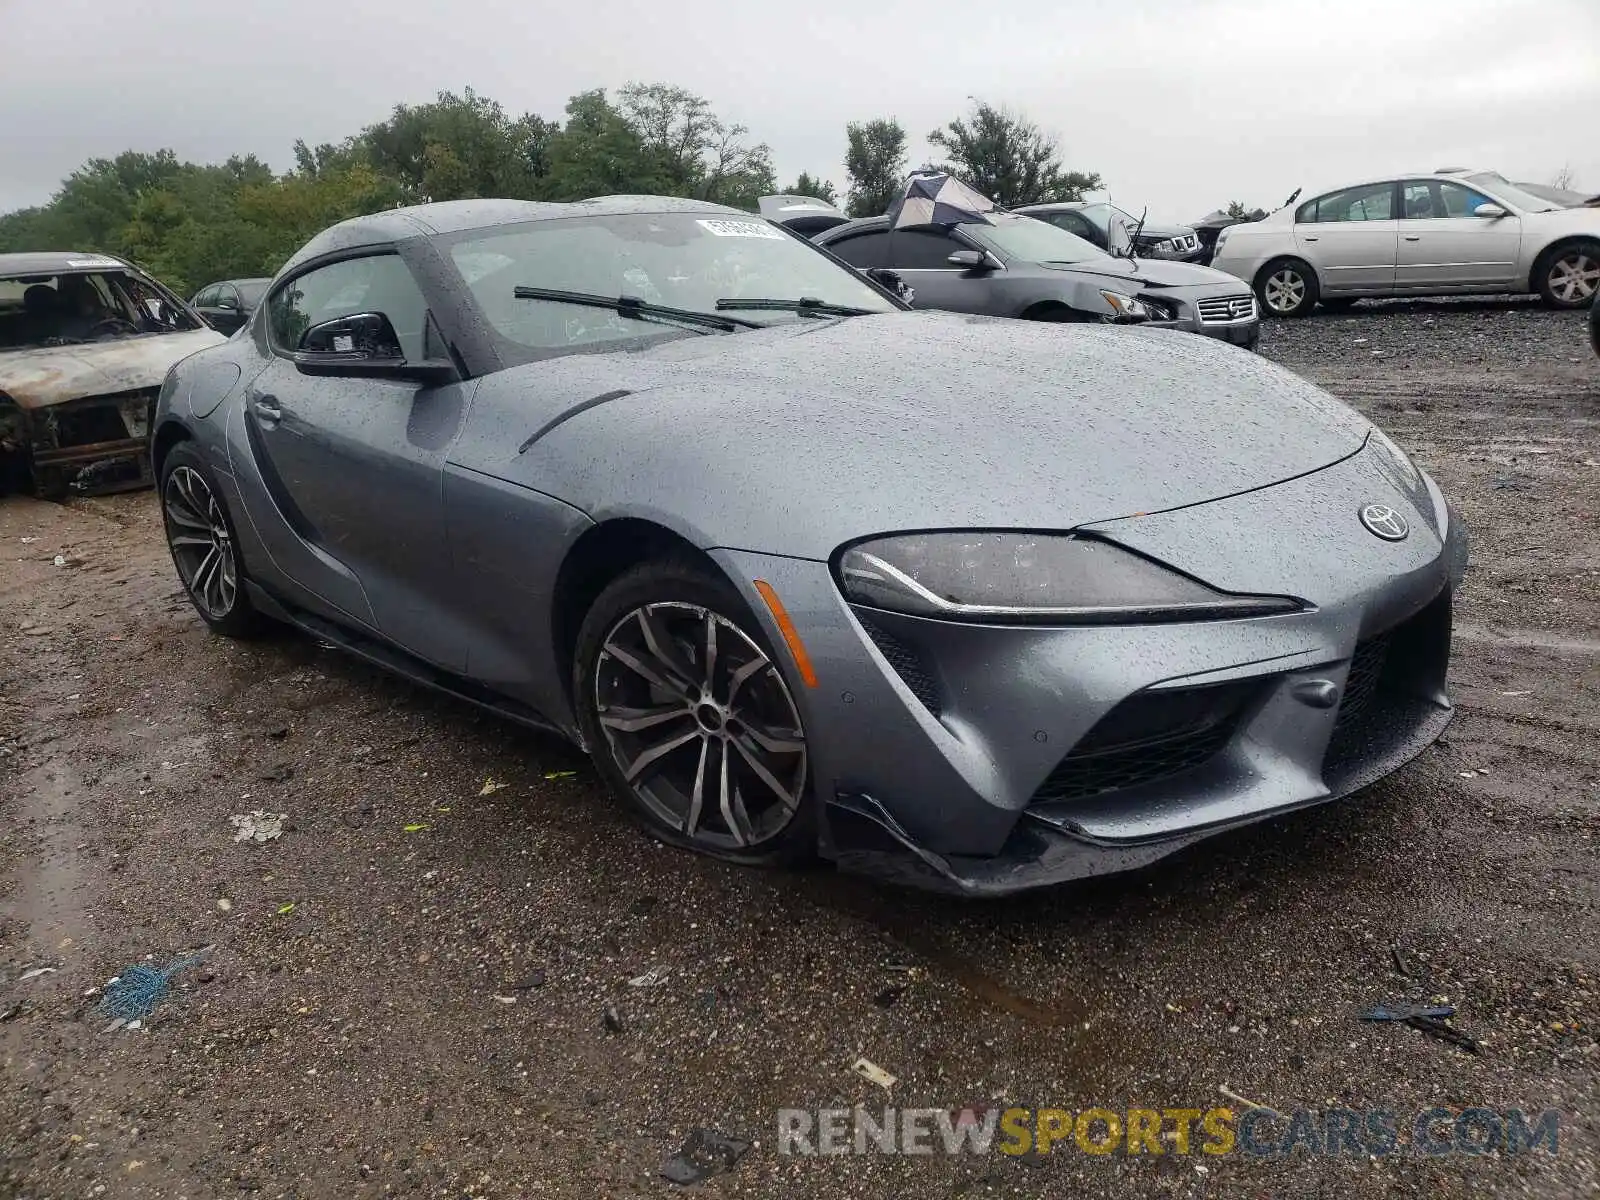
x: 93, y: 444
x: 975, y: 759
x: 1196, y: 312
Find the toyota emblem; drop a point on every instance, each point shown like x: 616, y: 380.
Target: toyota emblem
x: 1383, y: 521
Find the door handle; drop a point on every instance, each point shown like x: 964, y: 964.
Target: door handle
x: 267, y: 409
x: 1413, y: 237
x: 1309, y: 237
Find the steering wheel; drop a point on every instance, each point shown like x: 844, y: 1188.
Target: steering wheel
x: 112, y: 325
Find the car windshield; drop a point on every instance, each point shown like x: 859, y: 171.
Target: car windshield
x: 85, y: 306
x: 1027, y: 240
x: 1504, y: 189
x: 677, y: 260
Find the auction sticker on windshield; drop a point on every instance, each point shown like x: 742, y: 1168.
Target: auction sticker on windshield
x: 755, y: 229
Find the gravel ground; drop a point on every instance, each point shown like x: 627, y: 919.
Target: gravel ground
x: 407, y: 990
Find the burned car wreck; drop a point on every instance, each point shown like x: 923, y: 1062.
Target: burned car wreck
x: 85, y: 341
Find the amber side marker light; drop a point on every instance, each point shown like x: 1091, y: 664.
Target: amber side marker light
x: 791, y: 635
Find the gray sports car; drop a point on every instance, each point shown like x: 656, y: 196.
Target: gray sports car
x: 977, y: 604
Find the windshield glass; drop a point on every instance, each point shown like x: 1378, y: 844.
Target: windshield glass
x: 1028, y: 240
x: 680, y: 260
x: 85, y: 306
x: 1506, y: 190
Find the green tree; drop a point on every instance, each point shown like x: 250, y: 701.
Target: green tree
x: 598, y: 153
x: 458, y: 147
x: 1008, y: 158
x: 696, y: 152
x: 875, y: 162
x: 807, y: 185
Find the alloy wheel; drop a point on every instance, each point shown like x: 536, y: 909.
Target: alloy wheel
x: 1575, y: 277
x: 202, y: 546
x: 1285, y: 290
x: 701, y: 725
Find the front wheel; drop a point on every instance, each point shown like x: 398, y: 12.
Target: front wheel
x: 204, y: 550
x: 1287, y: 288
x: 689, y: 717
x: 1569, y: 276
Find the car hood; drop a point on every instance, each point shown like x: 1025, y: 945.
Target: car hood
x: 1156, y: 233
x: 48, y: 375
x: 1149, y: 272
x: 796, y: 439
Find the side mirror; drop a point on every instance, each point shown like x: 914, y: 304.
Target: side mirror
x: 229, y: 302
x: 365, y: 345
x: 370, y: 334
x: 1490, y: 211
x: 884, y: 277
x: 972, y: 260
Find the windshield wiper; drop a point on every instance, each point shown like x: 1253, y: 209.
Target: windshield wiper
x: 633, y: 306
x: 809, y: 305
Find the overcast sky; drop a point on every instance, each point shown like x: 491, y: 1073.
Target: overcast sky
x: 1182, y: 105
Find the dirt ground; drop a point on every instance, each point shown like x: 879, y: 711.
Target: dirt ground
x: 406, y: 990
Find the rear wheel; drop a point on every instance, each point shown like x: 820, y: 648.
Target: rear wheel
x: 689, y: 717
x: 1569, y: 276
x: 1287, y: 287
x: 204, y: 550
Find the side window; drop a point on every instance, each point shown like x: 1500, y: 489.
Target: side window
x: 1082, y: 226
x: 921, y: 250
x: 1416, y: 201
x: 1460, y: 201
x: 227, y: 295
x: 378, y: 283
x: 207, y: 298
x: 864, y: 250
x: 1371, y: 202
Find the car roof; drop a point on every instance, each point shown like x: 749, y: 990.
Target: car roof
x: 859, y: 225
x: 457, y: 216
x: 1058, y: 206
x: 1450, y: 173
x: 58, y: 262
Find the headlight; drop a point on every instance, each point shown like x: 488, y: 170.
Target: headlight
x: 1167, y: 247
x: 1126, y: 307
x: 1051, y: 579
x: 1159, y: 310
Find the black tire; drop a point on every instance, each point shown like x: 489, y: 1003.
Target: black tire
x: 674, y: 597
x: 186, y: 490
x: 1566, y: 275
x: 1287, y: 287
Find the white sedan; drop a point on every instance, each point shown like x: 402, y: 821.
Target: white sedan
x: 1440, y: 233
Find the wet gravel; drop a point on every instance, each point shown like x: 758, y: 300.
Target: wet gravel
x: 422, y: 987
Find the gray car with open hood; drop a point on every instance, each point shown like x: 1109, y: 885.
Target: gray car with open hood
x: 991, y: 261
x: 971, y: 603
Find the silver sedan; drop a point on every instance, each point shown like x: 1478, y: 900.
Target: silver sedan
x: 1430, y: 234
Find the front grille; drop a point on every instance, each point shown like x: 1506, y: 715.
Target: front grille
x: 1361, y: 684
x: 1225, y: 310
x: 1148, y: 737
x: 1388, y: 673
x: 909, y: 664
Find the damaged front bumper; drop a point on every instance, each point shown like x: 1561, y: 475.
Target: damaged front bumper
x: 984, y: 760
x: 90, y: 445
